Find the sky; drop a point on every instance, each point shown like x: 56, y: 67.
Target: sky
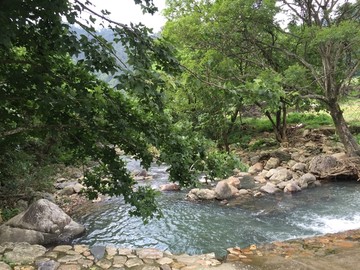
x: 125, y: 11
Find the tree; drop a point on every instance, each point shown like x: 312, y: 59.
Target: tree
x: 230, y: 37
x: 54, y: 109
x: 320, y: 44
x: 326, y: 38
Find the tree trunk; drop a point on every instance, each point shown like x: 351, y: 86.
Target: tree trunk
x: 352, y: 148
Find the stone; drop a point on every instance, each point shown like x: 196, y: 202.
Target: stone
x: 111, y: 251
x: 165, y: 267
x: 256, y: 168
x: 149, y: 253
x: 98, y: 252
x: 125, y: 251
x: 85, y: 262
x: 272, y: 163
x: 243, y: 192
x: 260, y: 179
x: 48, y: 265
x: 24, y: 267
x: 81, y: 248
x: 201, y: 194
x: 269, y: 188
x: 223, y: 190
x: 170, y: 187
x: 299, y: 166
x: 119, y: 261
x: 69, y: 267
x: 151, y: 267
x: 133, y: 262
x: 42, y: 223
x: 4, y: 266
x: 270, y: 173
x: 292, y: 187
x: 307, y: 178
x: 70, y: 258
x: 164, y: 260
x: 23, y: 253
x: 62, y: 248
x: 281, y: 174
x: 104, y: 263
x: 68, y: 190
x: 233, y: 181
x: 78, y: 188
x: 321, y: 165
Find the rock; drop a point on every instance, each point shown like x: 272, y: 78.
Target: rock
x: 299, y: 167
x: 223, y: 190
x: 24, y: 253
x: 321, y: 165
x: 256, y: 168
x: 42, y: 223
x: 70, y: 258
x: 269, y: 188
x: 281, y: 174
x: 306, y: 180
x: 4, y: 266
x: 164, y: 260
x: 270, y: 173
x: 292, y: 187
x: 78, y: 187
x: 119, y: 261
x: 233, y: 181
x: 104, y: 264
x: 62, y: 248
x: 281, y: 155
x: 98, y: 252
x: 133, y: 262
x: 243, y: 191
x: 149, y: 253
x: 68, y: 190
x: 201, y: 194
x: 272, y: 163
x: 260, y: 179
x: 170, y: 187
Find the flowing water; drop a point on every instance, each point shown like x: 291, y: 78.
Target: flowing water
x: 194, y: 228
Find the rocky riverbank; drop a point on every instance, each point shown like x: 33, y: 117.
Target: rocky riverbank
x: 330, y: 252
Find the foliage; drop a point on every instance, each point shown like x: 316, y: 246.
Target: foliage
x: 311, y: 120
x: 54, y: 109
x: 8, y: 213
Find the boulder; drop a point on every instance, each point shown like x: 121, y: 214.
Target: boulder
x: 272, y: 163
x: 292, y: 187
x: 299, y: 167
x: 42, y: 223
x: 170, y: 187
x: 201, y: 194
x: 306, y: 180
x: 256, y: 168
x: 281, y: 174
x: 233, y: 181
x: 269, y: 188
x: 321, y: 165
x: 223, y: 190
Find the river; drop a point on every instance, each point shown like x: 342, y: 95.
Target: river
x: 203, y: 227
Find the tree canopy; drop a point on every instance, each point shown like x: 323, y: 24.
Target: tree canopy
x: 274, y: 54
x: 53, y: 109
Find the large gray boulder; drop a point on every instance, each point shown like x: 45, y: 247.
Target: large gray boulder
x: 42, y: 223
x: 224, y: 190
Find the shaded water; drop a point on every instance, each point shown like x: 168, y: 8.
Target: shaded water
x: 195, y: 228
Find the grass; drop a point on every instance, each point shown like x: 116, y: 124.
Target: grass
x: 249, y: 133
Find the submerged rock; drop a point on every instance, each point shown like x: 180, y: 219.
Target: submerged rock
x: 42, y: 223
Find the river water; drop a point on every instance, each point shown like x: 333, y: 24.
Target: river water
x: 203, y: 227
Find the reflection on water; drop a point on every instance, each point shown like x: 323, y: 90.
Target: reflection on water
x: 209, y: 227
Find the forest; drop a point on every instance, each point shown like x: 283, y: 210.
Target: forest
x: 191, y: 96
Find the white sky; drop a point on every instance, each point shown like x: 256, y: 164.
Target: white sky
x: 125, y: 11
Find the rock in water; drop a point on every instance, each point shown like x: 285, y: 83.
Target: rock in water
x: 42, y: 223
